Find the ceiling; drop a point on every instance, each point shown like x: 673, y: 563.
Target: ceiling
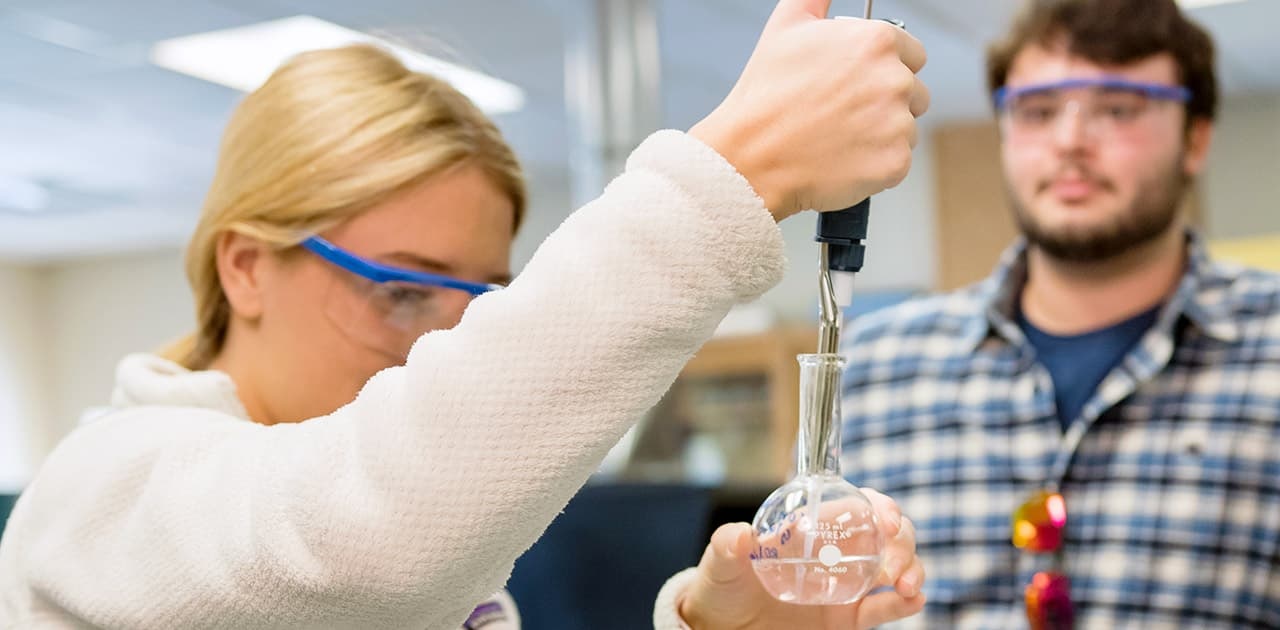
x: 102, y: 152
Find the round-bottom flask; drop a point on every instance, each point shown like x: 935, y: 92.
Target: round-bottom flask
x: 817, y: 537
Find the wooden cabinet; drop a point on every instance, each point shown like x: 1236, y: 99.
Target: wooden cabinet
x: 738, y: 399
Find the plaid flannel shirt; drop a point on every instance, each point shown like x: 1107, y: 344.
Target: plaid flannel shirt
x: 1171, y: 473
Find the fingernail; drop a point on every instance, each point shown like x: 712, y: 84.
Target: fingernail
x: 744, y: 532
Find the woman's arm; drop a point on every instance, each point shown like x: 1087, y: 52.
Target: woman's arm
x: 411, y: 504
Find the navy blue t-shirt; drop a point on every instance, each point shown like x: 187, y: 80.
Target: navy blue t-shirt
x: 1078, y: 363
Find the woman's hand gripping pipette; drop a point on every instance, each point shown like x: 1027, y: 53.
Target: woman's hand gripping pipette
x: 821, y: 149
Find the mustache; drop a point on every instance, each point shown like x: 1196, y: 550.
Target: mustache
x: 1076, y: 171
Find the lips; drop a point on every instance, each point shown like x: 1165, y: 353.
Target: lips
x: 1072, y: 189
x: 1073, y: 184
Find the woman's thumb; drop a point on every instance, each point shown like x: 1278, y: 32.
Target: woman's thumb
x: 728, y: 558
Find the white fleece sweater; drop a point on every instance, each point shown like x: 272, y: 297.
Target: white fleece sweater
x: 407, y: 507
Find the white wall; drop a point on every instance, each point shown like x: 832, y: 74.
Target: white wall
x: 23, y: 370
x: 101, y: 310
x: 900, y: 251
x: 1242, y: 181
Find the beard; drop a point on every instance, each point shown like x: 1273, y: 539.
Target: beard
x: 1152, y: 213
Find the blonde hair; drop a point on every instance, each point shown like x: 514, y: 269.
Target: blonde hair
x: 330, y: 134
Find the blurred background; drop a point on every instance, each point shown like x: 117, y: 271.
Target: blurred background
x: 108, y: 138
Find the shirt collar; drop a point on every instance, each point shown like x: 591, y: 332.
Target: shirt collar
x: 1201, y: 297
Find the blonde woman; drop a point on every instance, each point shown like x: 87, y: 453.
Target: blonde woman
x: 337, y: 446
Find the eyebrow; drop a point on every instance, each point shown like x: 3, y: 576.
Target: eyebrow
x: 429, y: 264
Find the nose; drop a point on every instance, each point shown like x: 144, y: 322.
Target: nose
x: 1071, y: 127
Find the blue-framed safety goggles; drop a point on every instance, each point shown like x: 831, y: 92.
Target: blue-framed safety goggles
x: 378, y: 272
x: 1177, y: 93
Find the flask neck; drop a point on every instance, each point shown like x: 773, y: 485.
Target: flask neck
x: 818, y: 441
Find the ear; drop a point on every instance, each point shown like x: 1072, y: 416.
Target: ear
x: 242, y: 265
x: 1199, y: 137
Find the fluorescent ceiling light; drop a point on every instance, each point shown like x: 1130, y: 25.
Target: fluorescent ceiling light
x: 1196, y: 4
x: 243, y: 58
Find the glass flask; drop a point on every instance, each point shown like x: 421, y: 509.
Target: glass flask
x: 818, y: 540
